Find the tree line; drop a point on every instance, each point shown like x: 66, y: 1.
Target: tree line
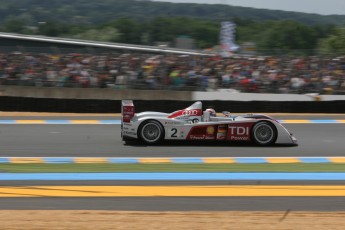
x: 269, y: 36
x: 145, y: 23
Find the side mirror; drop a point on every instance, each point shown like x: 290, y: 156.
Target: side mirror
x: 226, y: 113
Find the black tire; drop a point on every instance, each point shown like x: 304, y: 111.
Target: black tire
x: 264, y: 133
x: 151, y: 132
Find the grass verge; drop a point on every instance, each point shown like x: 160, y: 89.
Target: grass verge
x: 168, y: 167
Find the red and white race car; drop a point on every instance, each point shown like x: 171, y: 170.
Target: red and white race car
x: 193, y: 123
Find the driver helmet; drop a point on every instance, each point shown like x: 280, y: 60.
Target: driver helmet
x: 212, y: 112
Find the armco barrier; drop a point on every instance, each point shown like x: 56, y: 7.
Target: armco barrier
x: 114, y: 106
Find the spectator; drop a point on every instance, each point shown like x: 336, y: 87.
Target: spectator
x: 176, y: 72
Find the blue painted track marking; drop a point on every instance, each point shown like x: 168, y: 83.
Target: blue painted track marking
x: 171, y: 176
x: 8, y: 121
x: 251, y: 160
x: 187, y: 160
x: 4, y: 160
x: 56, y: 160
x: 110, y: 122
x: 324, y: 121
x: 58, y: 122
x: 314, y: 160
x: 123, y: 160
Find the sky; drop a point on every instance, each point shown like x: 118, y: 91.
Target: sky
x: 324, y: 7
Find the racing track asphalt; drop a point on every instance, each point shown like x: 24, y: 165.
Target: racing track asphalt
x: 104, y: 141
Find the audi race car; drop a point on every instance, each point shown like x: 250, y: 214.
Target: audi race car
x: 193, y: 123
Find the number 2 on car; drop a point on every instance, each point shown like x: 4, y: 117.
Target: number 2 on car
x: 173, y: 132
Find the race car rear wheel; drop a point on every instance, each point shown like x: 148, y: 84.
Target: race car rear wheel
x: 264, y: 133
x: 151, y: 132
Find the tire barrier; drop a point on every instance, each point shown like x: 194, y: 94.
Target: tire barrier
x: 27, y: 104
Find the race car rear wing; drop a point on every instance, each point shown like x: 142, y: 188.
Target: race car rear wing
x: 127, y: 110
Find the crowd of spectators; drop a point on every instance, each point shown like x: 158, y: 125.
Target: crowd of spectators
x: 269, y: 74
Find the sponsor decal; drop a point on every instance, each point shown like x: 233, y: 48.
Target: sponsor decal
x: 171, y: 123
x: 130, y: 133
x: 233, y: 138
x: 186, y: 113
x: 221, y: 132
x: 192, y: 112
x: 221, y: 136
x: 182, y: 117
x: 202, y: 133
x: 127, y: 113
x: 210, y: 130
x: 128, y: 109
x: 222, y: 128
x: 201, y: 137
x: 195, y: 137
x: 198, y: 130
x: 239, y: 132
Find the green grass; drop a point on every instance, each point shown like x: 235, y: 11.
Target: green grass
x: 298, y: 167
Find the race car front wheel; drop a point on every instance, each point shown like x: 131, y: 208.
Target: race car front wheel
x: 151, y: 132
x: 264, y: 133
